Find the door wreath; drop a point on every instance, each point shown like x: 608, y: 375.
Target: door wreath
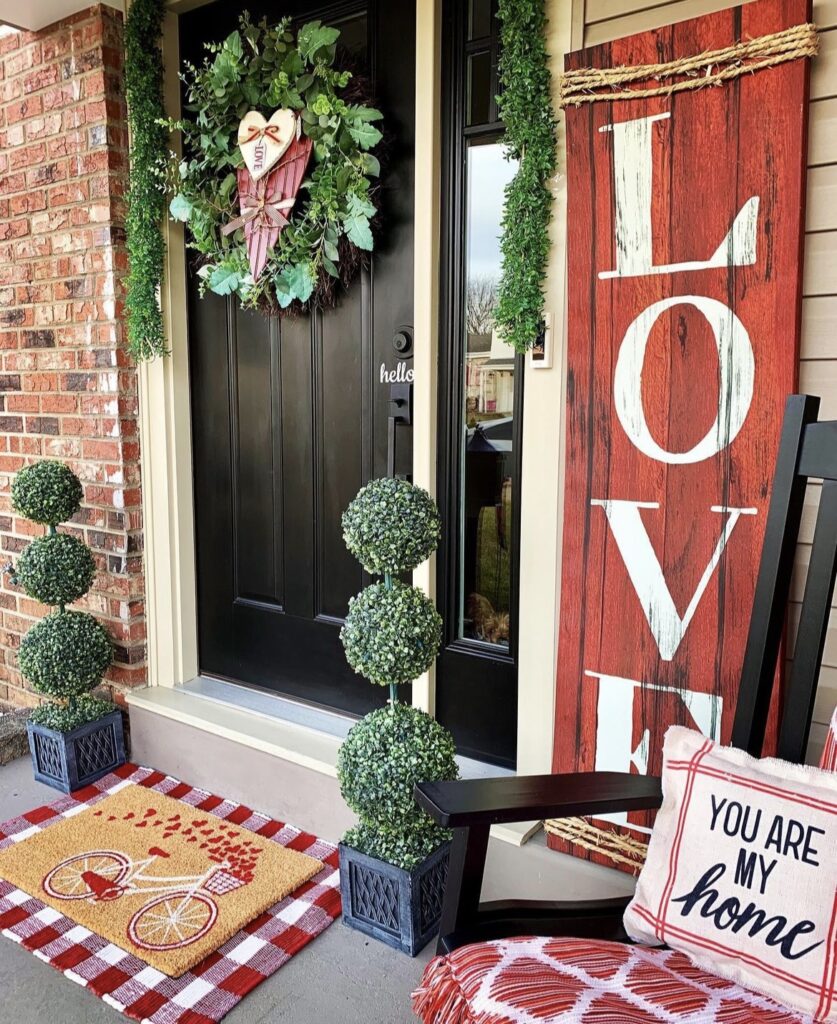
x: 278, y: 184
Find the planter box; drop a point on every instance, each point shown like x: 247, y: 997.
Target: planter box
x: 70, y: 760
x: 398, y: 907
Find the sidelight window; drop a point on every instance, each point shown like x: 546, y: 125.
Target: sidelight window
x: 488, y: 368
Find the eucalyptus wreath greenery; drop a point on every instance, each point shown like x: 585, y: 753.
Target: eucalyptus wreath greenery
x: 392, y: 633
x: 379, y: 763
x: 146, y: 201
x: 46, y: 492
x: 265, y: 67
x: 391, y: 526
x: 525, y: 106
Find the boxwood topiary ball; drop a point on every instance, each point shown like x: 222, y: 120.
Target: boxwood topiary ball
x: 391, y: 635
x: 56, y: 569
x: 383, y: 758
x: 391, y: 526
x: 65, y: 654
x: 47, y: 492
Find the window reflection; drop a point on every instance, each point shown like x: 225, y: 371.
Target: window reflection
x: 488, y: 394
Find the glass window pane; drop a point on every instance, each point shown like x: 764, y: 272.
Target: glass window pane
x: 479, y: 19
x: 486, y: 454
x: 479, y: 88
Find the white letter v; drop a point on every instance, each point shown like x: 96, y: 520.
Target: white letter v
x: 646, y: 573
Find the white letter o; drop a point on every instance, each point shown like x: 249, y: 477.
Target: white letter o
x: 736, y: 369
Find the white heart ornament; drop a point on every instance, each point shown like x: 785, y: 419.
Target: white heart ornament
x: 262, y: 142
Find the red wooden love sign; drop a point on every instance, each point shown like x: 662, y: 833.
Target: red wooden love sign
x: 685, y: 220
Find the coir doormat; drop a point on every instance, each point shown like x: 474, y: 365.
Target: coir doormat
x: 155, y: 876
x: 187, y: 894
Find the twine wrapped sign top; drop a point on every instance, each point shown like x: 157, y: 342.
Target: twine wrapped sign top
x: 712, y: 67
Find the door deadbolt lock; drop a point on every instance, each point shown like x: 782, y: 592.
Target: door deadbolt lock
x: 402, y: 341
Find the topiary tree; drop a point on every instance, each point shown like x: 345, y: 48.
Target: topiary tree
x: 66, y: 654
x: 391, y: 636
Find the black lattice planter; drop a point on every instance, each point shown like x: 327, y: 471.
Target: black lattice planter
x: 70, y: 760
x: 398, y: 907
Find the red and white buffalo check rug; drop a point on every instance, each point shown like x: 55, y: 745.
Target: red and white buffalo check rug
x: 205, y: 994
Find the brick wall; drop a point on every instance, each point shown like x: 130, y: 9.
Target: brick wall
x: 67, y: 389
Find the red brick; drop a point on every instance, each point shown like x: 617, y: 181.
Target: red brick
x: 29, y: 106
x: 24, y: 403
x: 40, y: 79
x: 41, y: 127
x: 21, y: 61
x: 67, y: 387
x: 29, y: 202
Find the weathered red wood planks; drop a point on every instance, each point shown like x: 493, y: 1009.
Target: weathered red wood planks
x: 685, y: 221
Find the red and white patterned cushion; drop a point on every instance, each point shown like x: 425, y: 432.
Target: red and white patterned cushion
x: 829, y: 751
x: 582, y: 981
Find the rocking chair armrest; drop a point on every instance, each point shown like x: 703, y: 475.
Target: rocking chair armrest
x: 472, y: 802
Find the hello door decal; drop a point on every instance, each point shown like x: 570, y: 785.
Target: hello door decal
x: 685, y: 219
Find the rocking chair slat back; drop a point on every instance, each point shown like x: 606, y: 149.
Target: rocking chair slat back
x: 807, y: 449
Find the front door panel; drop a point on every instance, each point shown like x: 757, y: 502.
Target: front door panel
x: 290, y: 416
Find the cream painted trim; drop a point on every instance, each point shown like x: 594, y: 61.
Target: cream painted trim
x: 165, y: 422
x: 541, y: 502
x: 166, y: 440
x: 428, y: 159
x: 307, y: 747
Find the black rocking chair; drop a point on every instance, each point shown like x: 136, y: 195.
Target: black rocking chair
x: 807, y: 449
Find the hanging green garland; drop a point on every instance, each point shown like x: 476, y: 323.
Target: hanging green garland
x: 526, y: 111
x: 146, y: 201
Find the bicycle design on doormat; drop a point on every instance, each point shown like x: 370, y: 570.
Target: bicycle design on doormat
x: 183, y: 910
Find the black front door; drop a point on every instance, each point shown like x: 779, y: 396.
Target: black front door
x: 289, y: 418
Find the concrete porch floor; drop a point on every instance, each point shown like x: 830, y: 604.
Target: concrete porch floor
x: 340, y: 978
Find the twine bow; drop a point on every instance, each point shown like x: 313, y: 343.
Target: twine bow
x: 270, y: 131
x: 260, y: 208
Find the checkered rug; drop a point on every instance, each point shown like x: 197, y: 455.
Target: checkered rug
x: 211, y: 989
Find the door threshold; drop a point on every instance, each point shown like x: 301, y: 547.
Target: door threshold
x: 270, y: 705
x: 306, y: 716
x: 270, y: 722
x: 283, y: 728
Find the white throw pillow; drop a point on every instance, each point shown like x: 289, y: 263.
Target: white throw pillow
x: 741, y: 872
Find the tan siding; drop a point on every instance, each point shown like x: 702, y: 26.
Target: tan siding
x: 821, y: 212
x: 610, y: 19
x: 816, y: 743
x: 822, y: 133
x: 823, y: 78
x: 819, y: 317
x: 819, y: 277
